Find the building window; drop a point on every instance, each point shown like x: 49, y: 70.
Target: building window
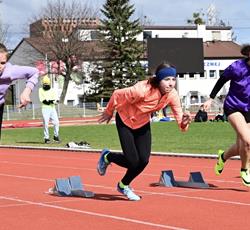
x: 216, y: 35
x: 181, y: 75
x: 203, y: 99
x: 183, y: 100
x: 202, y: 75
x: 147, y: 34
x: 212, y: 73
x: 192, y: 76
x: 70, y: 102
x: 194, y: 99
x: 220, y: 72
x: 95, y: 35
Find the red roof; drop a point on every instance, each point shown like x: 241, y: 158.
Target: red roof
x: 211, y: 49
x: 221, y: 50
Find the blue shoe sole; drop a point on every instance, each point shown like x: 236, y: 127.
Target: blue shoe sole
x: 104, y: 152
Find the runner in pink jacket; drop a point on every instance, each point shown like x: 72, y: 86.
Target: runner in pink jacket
x: 134, y: 106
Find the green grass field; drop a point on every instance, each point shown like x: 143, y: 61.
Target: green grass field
x: 204, y: 138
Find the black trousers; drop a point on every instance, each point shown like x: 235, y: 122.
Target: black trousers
x: 1, y: 117
x: 136, y: 147
x: 246, y: 115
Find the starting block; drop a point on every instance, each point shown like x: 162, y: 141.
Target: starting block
x: 167, y: 179
x: 71, y: 186
x: 195, y: 180
x: 62, y: 186
x: 77, y: 187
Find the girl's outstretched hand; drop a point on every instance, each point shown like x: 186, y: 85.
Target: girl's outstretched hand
x: 104, y: 118
x: 186, y: 119
x: 25, y: 97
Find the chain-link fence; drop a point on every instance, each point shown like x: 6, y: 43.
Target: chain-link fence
x: 88, y: 109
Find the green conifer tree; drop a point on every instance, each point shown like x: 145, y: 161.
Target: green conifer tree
x: 123, y: 52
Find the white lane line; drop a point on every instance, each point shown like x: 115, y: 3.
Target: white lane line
x: 70, y: 157
x: 45, y: 165
x: 111, y: 171
x: 24, y: 204
x: 195, y: 198
x: 26, y: 177
x: 119, y: 218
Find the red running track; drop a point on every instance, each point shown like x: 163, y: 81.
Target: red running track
x: 26, y: 175
x: 39, y: 123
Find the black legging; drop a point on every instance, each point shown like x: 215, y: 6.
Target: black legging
x: 1, y: 117
x: 136, y: 147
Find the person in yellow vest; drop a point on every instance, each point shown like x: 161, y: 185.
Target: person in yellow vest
x: 47, y: 97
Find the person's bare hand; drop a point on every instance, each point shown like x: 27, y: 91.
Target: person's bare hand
x: 186, y: 118
x: 104, y: 118
x: 207, y: 104
x: 25, y: 97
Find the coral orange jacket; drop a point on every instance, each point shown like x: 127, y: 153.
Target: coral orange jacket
x: 135, y: 104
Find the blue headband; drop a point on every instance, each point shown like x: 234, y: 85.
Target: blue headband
x: 165, y: 72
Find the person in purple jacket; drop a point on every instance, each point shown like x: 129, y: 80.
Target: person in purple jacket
x: 10, y: 73
x: 237, y: 110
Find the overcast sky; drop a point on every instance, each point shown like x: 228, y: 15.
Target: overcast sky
x: 18, y: 13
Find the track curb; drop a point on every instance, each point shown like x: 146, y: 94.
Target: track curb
x: 192, y: 155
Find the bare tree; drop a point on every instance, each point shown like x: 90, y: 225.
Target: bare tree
x: 3, y: 33
x: 3, y: 30
x: 57, y: 30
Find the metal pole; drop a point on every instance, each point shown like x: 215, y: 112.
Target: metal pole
x: 33, y: 111
x: 84, y: 99
x: 8, y: 113
x: 84, y: 110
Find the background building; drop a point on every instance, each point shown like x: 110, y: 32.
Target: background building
x: 218, y: 48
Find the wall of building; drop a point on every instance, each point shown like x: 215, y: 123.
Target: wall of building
x: 200, y: 32
x: 193, y: 89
